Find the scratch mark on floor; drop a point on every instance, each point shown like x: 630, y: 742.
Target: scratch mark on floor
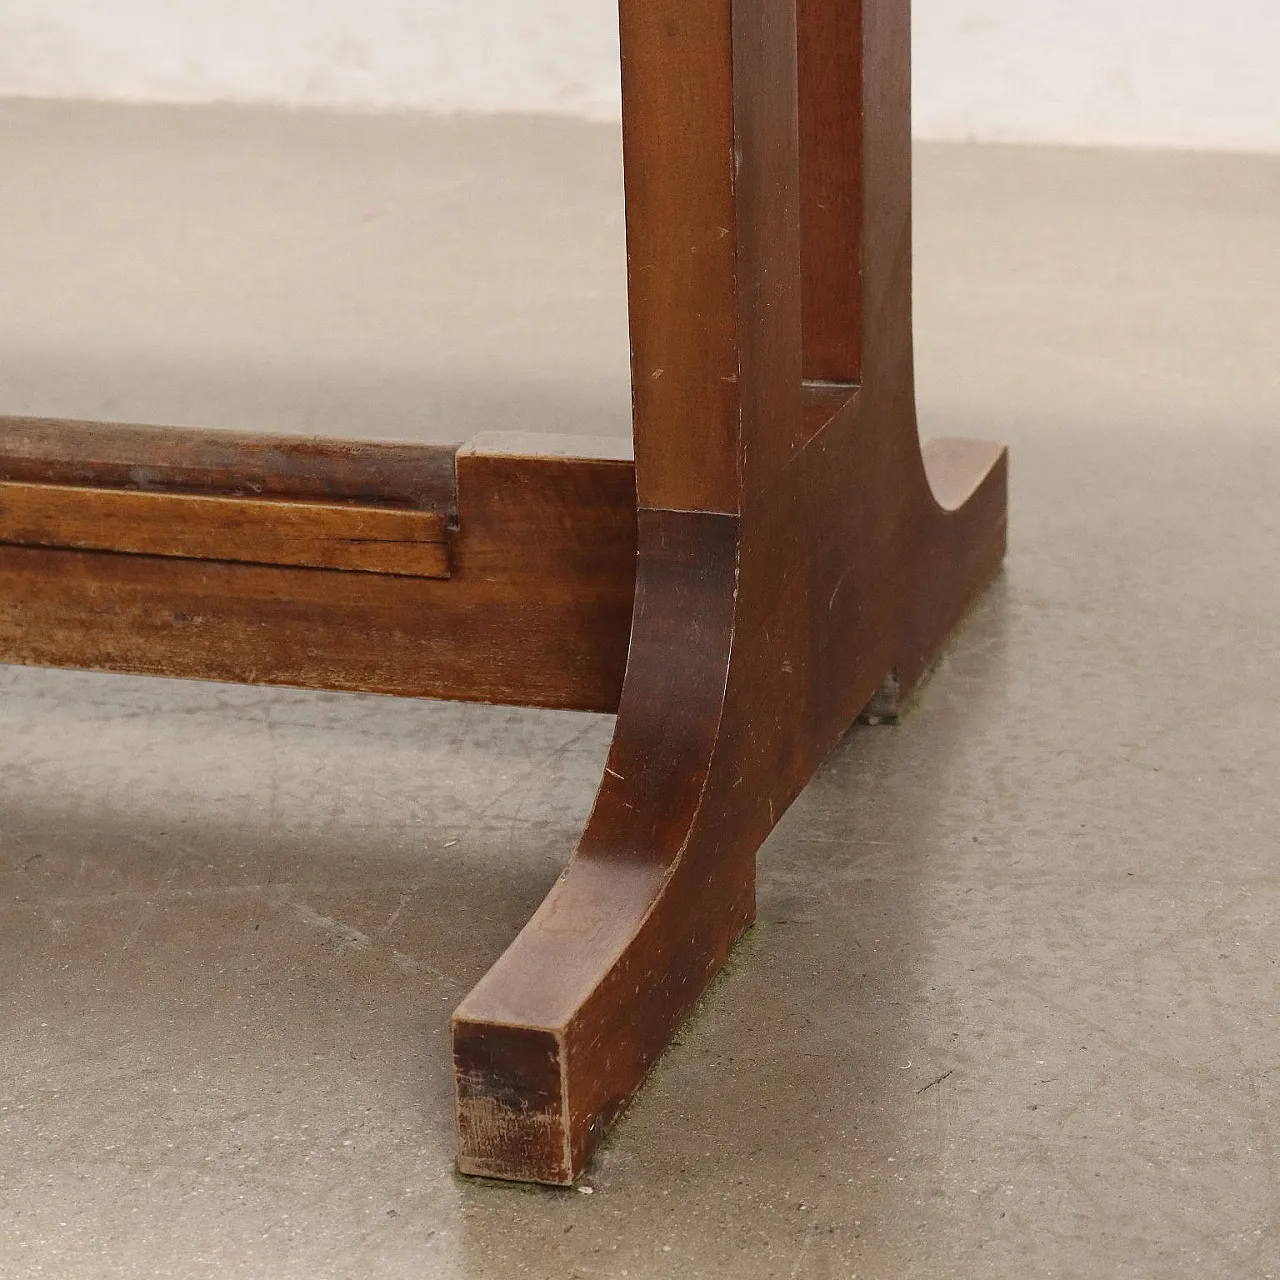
x: 945, y: 1075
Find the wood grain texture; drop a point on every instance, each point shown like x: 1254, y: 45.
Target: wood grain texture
x: 682, y: 229
x: 537, y: 611
x: 833, y: 553
x: 791, y: 552
x: 114, y: 455
x: 275, y: 531
x: 831, y: 181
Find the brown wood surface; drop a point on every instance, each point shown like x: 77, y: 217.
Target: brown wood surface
x: 792, y: 554
x: 687, y: 452
x: 119, y: 456
x: 537, y: 610
x: 313, y: 535
x: 798, y: 552
x: 831, y: 187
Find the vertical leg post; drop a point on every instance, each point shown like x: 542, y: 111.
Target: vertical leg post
x: 791, y: 549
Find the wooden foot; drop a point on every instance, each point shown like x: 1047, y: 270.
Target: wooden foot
x: 723, y: 720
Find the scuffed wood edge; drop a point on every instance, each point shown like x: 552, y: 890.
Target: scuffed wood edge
x: 122, y: 456
x: 312, y: 535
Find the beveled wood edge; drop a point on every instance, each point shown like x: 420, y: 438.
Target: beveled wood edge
x: 214, y: 460
x: 401, y: 541
x: 564, y: 447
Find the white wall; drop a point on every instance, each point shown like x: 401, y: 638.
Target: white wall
x: 473, y: 55
x: 1201, y: 73
x: 1148, y: 72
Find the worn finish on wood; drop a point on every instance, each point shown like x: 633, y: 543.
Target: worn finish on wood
x: 112, y: 455
x: 797, y: 550
x: 537, y: 610
x: 311, y: 535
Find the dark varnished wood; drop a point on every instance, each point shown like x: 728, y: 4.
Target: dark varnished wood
x: 799, y: 553
x: 115, y: 455
x: 831, y: 188
x: 782, y: 556
x: 537, y: 609
x: 187, y: 526
x: 684, y: 357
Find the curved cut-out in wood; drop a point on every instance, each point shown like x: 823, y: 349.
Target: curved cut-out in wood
x: 799, y: 554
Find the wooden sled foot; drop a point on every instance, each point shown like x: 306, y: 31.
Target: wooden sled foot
x: 552, y: 1044
x: 969, y: 482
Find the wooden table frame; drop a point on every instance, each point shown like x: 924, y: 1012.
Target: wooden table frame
x: 780, y: 556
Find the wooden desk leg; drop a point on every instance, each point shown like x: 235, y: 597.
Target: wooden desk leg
x: 795, y: 543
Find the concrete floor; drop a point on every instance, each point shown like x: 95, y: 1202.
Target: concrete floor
x: 1010, y: 1009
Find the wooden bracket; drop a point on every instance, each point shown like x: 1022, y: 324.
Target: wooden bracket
x: 781, y: 554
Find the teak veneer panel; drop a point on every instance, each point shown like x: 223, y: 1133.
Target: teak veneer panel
x: 312, y: 535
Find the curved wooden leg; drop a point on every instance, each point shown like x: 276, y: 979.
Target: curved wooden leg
x: 553, y: 1042
x: 795, y: 544
x: 557, y: 1037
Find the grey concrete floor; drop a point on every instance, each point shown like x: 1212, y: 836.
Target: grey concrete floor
x: 1010, y: 1009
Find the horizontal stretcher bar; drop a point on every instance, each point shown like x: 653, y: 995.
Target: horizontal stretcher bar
x: 502, y: 570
